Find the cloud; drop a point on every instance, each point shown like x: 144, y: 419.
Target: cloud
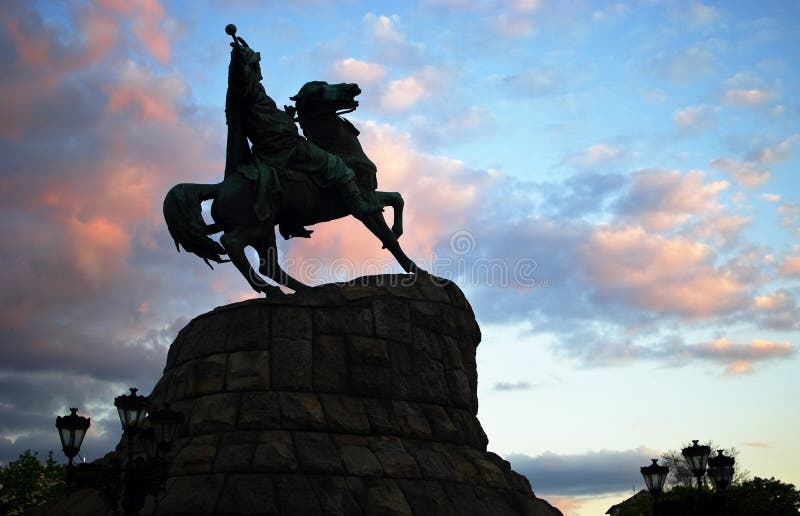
x: 389, y: 41
x: 696, y: 15
x: 747, y: 174
x: 353, y: 70
x: 662, y: 274
x: 770, y: 197
x: 594, y: 472
x: 790, y: 267
x: 513, y: 386
x: 747, y: 98
x: 661, y: 199
x: 402, y: 94
x: 685, y: 65
x: 738, y: 358
x: 790, y: 216
x: 596, y: 155
x: 694, y: 118
x: 535, y: 82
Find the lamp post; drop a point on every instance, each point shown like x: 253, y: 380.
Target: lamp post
x: 654, y: 477
x: 138, y: 476
x: 697, y: 458
x: 720, y: 469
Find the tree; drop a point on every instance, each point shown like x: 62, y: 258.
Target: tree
x: 762, y: 497
x: 681, y: 475
x: 27, y: 482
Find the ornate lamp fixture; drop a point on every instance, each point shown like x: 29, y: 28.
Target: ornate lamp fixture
x: 697, y: 457
x: 165, y: 424
x: 720, y: 469
x: 132, y: 409
x: 72, y: 429
x: 138, y: 477
x: 654, y: 476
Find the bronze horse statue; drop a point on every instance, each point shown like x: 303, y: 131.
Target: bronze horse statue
x: 302, y: 200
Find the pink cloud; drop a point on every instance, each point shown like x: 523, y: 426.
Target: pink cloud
x: 353, y: 70
x: 148, y: 20
x: 659, y: 200
x: 663, y: 274
x: 790, y: 266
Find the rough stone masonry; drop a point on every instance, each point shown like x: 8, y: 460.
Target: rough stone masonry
x: 349, y: 399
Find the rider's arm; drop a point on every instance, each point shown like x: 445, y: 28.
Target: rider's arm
x: 244, y: 77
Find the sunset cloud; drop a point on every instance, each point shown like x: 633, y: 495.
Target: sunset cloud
x: 663, y: 274
x: 353, y: 70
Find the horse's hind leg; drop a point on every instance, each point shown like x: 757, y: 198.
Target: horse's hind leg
x: 395, y: 200
x: 268, y: 254
x: 375, y: 223
x: 234, y: 243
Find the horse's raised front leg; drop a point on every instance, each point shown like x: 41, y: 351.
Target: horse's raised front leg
x: 395, y: 200
x: 234, y: 243
x: 375, y: 223
x: 268, y: 255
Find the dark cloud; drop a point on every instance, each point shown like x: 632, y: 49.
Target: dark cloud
x: 513, y: 386
x: 583, y: 474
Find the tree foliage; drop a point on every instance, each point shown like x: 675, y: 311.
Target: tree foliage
x: 27, y: 482
x: 681, y: 475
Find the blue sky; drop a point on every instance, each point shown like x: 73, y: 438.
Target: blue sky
x: 625, y: 171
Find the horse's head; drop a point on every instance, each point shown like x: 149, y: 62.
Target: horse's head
x: 319, y: 97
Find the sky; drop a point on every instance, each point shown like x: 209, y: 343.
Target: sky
x: 614, y: 185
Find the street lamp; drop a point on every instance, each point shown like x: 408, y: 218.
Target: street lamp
x: 697, y: 457
x: 720, y: 469
x: 72, y: 429
x: 138, y: 476
x: 654, y: 476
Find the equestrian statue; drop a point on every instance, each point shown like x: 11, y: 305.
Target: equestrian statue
x: 276, y: 177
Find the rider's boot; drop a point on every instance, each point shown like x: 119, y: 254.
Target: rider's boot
x: 354, y: 200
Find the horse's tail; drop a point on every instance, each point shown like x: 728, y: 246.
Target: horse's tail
x: 182, y: 211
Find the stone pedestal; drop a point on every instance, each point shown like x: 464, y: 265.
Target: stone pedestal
x: 354, y: 399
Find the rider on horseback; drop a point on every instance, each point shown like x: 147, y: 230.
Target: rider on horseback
x: 276, y: 143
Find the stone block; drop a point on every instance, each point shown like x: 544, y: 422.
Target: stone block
x: 434, y: 289
x: 344, y: 320
x: 274, y: 452
x: 245, y: 495
x: 196, y: 456
x: 401, y: 358
x: 214, y: 413
x: 491, y: 474
x: 432, y: 382
x: 368, y: 351
x: 359, y: 460
x: 460, y: 394
x: 194, y: 495
x: 432, y: 460
x: 206, y: 375
x: 202, y: 344
x: 443, y: 428
x: 425, y: 314
x: 300, y: 410
x: 394, y: 458
x: 236, y: 452
x: 345, y: 414
x: 291, y: 364
x: 260, y: 411
x: 316, y: 453
x: 334, y: 496
x: 369, y: 380
x: 248, y: 370
x: 378, y: 412
x: 248, y: 340
x: 408, y: 420
x: 392, y: 320
x: 426, y: 497
x: 291, y: 322
x: 330, y: 363
x: 295, y: 496
x: 385, y: 498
